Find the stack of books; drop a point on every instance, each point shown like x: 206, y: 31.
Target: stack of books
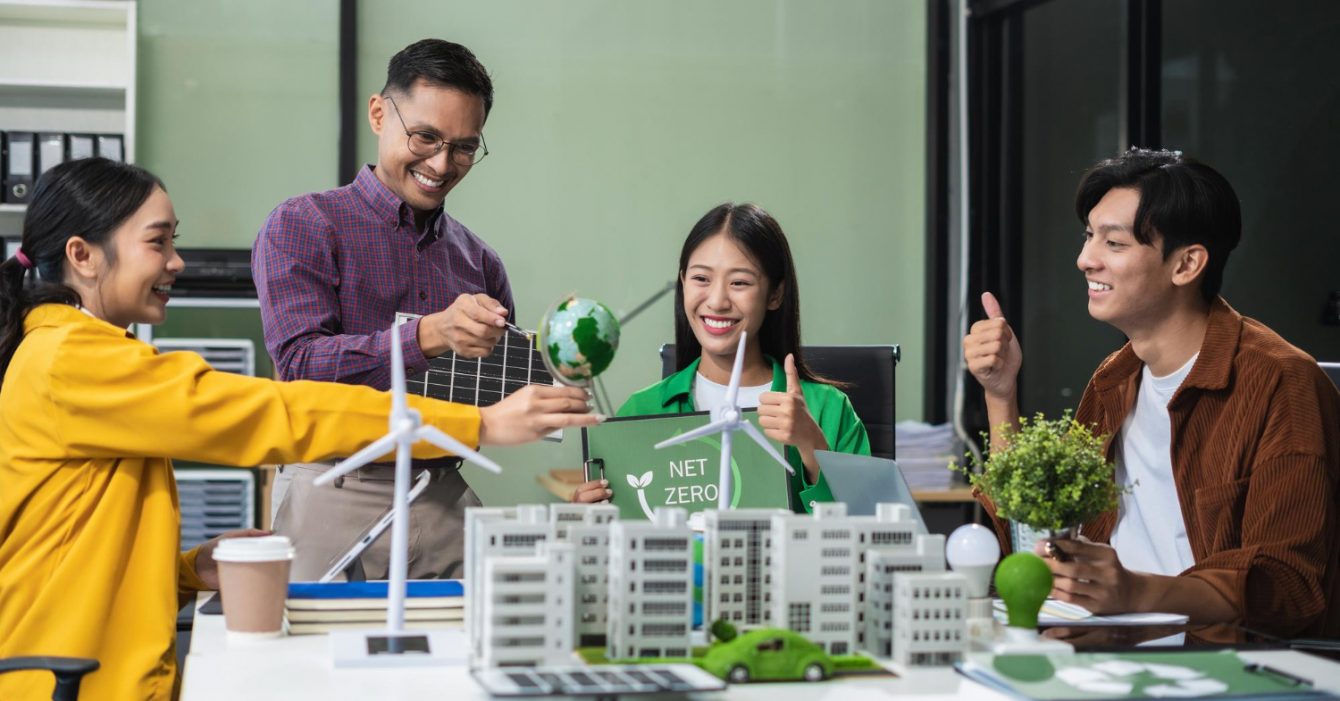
x: 430, y: 604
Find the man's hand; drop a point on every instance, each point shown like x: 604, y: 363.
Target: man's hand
x: 592, y: 492
x: 1093, y: 577
x: 533, y: 412
x: 992, y: 352
x: 206, y: 568
x: 786, y: 419
x: 470, y: 327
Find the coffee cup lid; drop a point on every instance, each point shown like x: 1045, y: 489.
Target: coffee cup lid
x: 263, y: 549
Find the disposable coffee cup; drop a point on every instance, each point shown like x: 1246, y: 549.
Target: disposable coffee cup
x: 253, y: 582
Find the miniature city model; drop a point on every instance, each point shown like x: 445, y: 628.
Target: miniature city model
x: 846, y: 583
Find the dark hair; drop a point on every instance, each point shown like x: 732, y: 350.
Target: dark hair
x: 1182, y: 202
x: 88, y: 198
x: 762, y: 239
x: 441, y: 63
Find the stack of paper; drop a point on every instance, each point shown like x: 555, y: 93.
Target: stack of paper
x: 924, y: 452
x: 321, y: 608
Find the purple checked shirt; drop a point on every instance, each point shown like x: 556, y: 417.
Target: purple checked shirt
x: 332, y: 269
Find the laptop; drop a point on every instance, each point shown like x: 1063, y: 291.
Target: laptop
x: 862, y: 482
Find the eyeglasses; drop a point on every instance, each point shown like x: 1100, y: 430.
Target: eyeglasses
x: 426, y: 144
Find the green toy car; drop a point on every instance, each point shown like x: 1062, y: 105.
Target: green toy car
x: 770, y: 654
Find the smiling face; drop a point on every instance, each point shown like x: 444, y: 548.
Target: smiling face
x: 423, y: 182
x: 725, y: 292
x: 132, y: 282
x: 1130, y: 284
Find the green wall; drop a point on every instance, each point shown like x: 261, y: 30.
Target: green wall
x: 237, y: 109
x: 615, y: 126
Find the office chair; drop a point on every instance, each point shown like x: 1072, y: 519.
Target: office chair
x: 69, y: 672
x: 869, y: 374
x: 1333, y: 371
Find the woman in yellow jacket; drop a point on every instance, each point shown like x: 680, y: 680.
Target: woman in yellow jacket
x: 90, y: 562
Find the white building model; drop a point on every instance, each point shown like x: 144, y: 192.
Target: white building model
x: 490, y: 533
x: 587, y: 528
x: 526, y: 607
x: 848, y: 583
x: 651, y: 586
x: 930, y: 612
x: 737, y: 551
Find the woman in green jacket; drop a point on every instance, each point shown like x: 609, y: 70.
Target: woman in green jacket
x: 736, y: 274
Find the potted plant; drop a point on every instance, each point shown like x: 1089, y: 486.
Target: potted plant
x: 1051, y: 476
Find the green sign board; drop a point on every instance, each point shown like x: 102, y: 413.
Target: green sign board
x: 685, y: 475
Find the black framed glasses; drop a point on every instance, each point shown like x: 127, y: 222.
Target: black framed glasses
x: 426, y: 144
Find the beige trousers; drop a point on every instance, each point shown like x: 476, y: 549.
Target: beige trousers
x: 324, y: 522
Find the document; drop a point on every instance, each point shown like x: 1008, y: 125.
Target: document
x: 1060, y: 613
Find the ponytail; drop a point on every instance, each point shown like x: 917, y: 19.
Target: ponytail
x: 89, y: 198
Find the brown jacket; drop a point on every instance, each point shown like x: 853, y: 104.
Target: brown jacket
x: 1256, y: 461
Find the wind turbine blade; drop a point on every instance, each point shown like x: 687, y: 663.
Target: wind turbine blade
x: 762, y: 441
x: 398, y: 401
x: 374, y: 450
x: 439, y: 438
x: 709, y: 429
x: 733, y: 389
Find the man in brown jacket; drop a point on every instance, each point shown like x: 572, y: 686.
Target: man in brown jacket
x: 1227, y: 436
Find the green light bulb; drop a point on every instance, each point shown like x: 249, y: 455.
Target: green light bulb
x: 1023, y: 581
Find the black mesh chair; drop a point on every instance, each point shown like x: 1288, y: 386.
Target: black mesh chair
x: 69, y: 672
x: 868, y: 372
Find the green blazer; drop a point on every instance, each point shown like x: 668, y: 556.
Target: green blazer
x: 829, y: 406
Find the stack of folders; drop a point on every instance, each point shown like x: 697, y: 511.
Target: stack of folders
x: 430, y: 604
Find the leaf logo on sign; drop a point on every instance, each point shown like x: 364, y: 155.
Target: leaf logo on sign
x: 640, y: 484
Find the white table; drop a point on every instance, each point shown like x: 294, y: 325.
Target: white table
x: 299, y: 667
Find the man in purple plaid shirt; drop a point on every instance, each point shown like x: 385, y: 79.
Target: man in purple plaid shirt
x: 332, y: 269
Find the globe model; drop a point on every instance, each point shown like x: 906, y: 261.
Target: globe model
x: 578, y: 338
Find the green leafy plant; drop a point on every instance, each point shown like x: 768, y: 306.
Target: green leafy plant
x: 723, y: 630
x: 1051, y: 475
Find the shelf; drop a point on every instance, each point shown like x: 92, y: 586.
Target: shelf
x: 33, y: 87
x: 65, y: 11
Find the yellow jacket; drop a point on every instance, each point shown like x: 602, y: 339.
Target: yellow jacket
x: 90, y: 561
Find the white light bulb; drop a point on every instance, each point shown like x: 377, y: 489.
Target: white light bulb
x: 973, y: 551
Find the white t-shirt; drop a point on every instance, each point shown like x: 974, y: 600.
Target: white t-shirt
x: 1151, y: 535
x: 708, y: 394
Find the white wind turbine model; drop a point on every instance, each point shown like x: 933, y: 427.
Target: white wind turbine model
x: 726, y: 420
x: 406, y: 429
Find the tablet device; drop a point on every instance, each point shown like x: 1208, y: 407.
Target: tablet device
x: 863, y: 482
x: 373, y: 531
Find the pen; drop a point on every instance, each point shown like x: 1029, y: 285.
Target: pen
x: 1295, y: 680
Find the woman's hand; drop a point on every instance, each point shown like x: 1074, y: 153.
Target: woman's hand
x: 534, y: 412
x: 206, y: 568
x: 785, y: 419
x: 592, y: 492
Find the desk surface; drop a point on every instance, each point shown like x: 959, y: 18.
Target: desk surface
x: 299, y: 667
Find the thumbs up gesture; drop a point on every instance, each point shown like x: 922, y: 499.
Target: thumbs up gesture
x: 992, y: 352
x: 785, y: 419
